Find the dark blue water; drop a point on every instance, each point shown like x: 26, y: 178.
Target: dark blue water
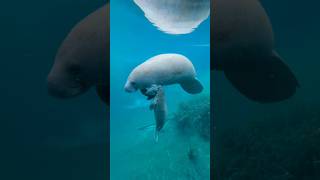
x: 42, y: 137
x: 279, y: 140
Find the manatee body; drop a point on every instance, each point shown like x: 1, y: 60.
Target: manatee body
x: 164, y: 69
x: 82, y: 60
x: 243, y: 47
x: 175, y: 17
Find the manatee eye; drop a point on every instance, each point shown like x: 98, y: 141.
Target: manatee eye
x: 133, y: 84
x: 143, y: 91
x: 75, y: 72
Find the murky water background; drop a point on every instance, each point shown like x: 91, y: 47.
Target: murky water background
x: 274, y: 141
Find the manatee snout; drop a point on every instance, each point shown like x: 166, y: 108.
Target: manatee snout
x: 65, y: 85
x: 82, y: 60
x: 130, y: 87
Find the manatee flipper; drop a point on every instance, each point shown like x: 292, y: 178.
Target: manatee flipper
x: 192, y: 86
x: 149, y: 96
x: 103, y: 92
x: 263, y: 80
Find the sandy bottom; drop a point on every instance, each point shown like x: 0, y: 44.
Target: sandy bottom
x: 174, y: 156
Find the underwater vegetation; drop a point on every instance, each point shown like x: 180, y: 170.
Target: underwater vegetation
x: 180, y: 153
x: 281, y: 146
x: 193, y: 117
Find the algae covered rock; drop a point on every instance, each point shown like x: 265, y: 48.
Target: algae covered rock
x: 279, y: 146
x: 193, y: 117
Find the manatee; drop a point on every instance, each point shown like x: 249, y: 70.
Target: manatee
x: 175, y: 17
x: 243, y: 48
x: 159, y: 106
x: 150, y: 92
x: 82, y: 60
x: 164, y: 69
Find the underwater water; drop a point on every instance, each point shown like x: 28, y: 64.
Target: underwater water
x: 181, y: 151
x: 43, y: 137
x: 47, y: 138
x: 278, y: 141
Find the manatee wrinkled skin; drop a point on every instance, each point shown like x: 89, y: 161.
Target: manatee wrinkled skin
x: 243, y: 47
x: 82, y: 60
x: 175, y: 16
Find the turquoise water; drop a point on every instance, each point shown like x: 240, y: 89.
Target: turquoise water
x: 134, y: 153
x: 47, y: 138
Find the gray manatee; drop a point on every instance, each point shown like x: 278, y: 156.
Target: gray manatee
x: 175, y: 16
x: 164, y: 69
x: 82, y: 60
x: 243, y: 47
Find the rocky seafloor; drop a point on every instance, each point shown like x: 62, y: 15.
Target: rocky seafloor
x: 182, y: 152
x: 275, y: 146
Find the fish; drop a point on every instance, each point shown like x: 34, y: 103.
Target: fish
x: 137, y: 103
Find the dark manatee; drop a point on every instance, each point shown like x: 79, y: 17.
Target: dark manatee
x: 82, y: 60
x: 243, y: 47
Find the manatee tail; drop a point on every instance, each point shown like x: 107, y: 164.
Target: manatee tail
x: 192, y: 86
x: 263, y: 80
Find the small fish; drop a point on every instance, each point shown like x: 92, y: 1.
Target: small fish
x: 138, y: 103
x: 147, y: 127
